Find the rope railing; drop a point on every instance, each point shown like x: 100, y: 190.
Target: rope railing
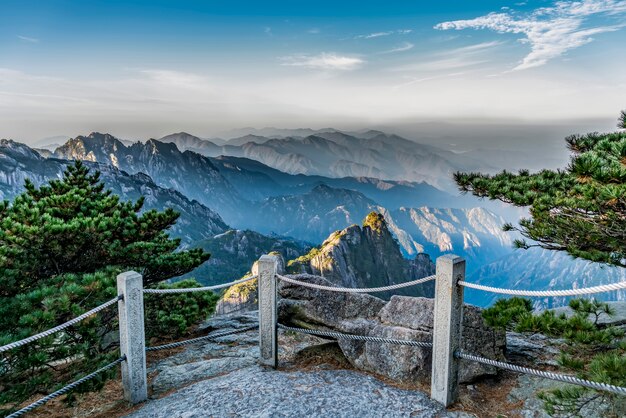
x: 546, y: 293
x: 59, y: 327
x: 203, y: 338
x: 545, y: 374
x: 355, y: 290
x: 65, y: 389
x: 125, y: 279
x: 344, y: 336
x: 200, y: 289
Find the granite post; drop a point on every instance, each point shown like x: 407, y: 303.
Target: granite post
x: 448, y: 317
x: 268, y: 314
x: 132, y: 336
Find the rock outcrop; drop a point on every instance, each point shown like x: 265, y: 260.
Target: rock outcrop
x: 405, y: 318
x: 366, y: 256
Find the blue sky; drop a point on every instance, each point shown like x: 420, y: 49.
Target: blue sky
x: 145, y: 68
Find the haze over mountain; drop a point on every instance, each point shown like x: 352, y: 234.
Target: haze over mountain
x: 266, y: 205
x: 334, y: 153
x: 304, y: 207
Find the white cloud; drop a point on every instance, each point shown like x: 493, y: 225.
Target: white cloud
x: 379, y: 34
x: 324, y: 61
x: 452, y: 59
x: 405, y: 46
x: 28, y: 39
x: 550, y: 31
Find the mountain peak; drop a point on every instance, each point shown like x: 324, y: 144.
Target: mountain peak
x: 366, y: 256
x: 162, y: 147
x: 375, y: 221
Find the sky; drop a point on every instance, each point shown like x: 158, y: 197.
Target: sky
x: 142, y: 69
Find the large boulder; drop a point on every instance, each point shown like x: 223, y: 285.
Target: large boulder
x: 403, y: 318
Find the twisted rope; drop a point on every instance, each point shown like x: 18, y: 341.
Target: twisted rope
x: 59, y: 327
x: 342, y: 336
x: 568, y: 292
x: 356, y: 290
x: 200, y: 289
x: 548, y: 375
x: 195, y: 340
x: 65, y: 389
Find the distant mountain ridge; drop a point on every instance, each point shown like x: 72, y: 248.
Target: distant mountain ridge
x: 333, y: 153
x: 19, y: 162
x: 539, y: 269
x: 251, y: 195
x: 164, y: 163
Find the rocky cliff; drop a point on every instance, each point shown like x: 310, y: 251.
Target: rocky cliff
x: 366, y: 256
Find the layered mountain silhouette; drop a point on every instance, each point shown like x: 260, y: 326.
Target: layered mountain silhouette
x: 241, y: 205
x: 187, y: 172
x: 333, y: 153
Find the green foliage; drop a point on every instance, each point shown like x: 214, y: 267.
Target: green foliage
x: 295, y: 266
x: 505, y: 313
x: 593, y: 352
x: 376, y: 221
x: 581, y: 210
x: 61, y: 247
x: 171, y: 315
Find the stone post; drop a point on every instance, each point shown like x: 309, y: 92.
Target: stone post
x: 132, y: 336
x: 268, y: 313
x: 448, y: 316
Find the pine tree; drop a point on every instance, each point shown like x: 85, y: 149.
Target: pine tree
x: 580, y: 210
x: 593, y: 352
x: 61, y: 247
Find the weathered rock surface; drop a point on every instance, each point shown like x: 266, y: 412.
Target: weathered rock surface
x: 400, y: 318
x: 258, y: 392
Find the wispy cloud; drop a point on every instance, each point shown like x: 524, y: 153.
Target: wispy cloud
x: 550, y: 31
x: 405, y: 46
x: 387, y: 33
x: 453, y: 59
x: 324, y: 61
x: 28, y: 39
